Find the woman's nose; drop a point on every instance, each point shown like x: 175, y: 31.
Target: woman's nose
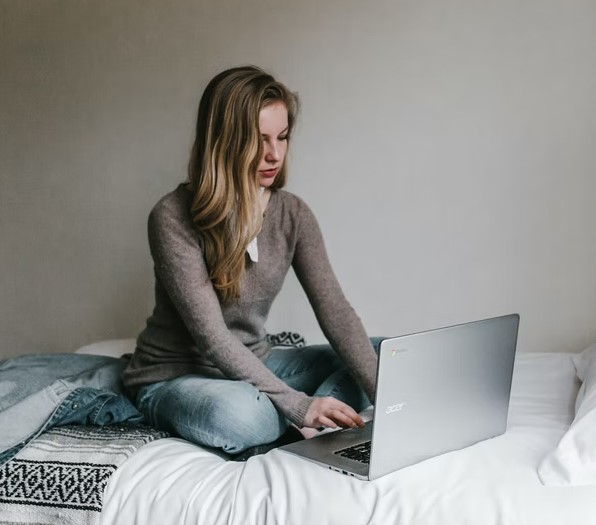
x: 271, y: 152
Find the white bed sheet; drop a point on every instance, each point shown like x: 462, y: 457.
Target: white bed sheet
x: 493, y: 482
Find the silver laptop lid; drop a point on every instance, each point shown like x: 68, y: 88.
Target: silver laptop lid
x: 441, y: 390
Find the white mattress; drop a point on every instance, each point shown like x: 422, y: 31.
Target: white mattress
x: 493, y: 482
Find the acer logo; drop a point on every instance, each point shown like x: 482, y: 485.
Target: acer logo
x: 394, y: 408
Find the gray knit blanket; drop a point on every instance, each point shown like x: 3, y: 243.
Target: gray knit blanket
x: 60, y: 477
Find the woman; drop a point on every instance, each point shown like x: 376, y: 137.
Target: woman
x: 221, y: 245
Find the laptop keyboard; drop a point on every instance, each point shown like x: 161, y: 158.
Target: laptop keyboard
x: 359, y: 452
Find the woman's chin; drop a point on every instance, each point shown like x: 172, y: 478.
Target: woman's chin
x: 266, y: 182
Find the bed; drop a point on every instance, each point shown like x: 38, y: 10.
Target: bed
x: 530, y: 475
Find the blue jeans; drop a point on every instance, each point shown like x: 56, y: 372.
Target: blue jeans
x: 234, y: 415
x: 38, y: 392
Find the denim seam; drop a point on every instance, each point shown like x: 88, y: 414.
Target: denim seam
x: 95, y: 413
x: 62, y: 409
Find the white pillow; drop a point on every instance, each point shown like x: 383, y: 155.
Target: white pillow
x: 573, y: 462
x: 111, y: 348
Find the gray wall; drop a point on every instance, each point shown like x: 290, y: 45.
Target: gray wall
x: 447, y: 148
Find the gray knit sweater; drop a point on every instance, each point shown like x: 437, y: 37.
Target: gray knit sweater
x: 190, y: 331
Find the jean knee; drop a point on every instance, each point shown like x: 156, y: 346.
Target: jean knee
x: 231, y: 415
x: 245, y: 419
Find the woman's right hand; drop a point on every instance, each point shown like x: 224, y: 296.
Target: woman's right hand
x: 330, y: 412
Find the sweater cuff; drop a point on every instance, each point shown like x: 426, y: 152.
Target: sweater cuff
x: 299, y: 411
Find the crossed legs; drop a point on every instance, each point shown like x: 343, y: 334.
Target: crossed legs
x: 234, y: 415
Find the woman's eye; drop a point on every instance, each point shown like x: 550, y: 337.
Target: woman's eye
x: 283, y: 137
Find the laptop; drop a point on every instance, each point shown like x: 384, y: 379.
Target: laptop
x: 437, y: 391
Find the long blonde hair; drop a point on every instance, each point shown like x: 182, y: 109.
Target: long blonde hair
x: 222, y: 170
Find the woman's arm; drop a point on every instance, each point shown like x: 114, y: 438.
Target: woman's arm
x: 338, y: 320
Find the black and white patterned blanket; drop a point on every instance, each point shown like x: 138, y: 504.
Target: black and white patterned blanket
x: 286, y: 340
x: 60, y: 477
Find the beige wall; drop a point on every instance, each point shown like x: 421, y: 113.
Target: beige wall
x: 447, y: 148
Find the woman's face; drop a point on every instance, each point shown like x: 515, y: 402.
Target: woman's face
x: 273, y: 125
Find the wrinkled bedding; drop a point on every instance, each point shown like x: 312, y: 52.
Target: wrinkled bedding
x: 492, y: 482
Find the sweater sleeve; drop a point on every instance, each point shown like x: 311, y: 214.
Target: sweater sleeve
x: 339, y: 322
x: 180, y: 265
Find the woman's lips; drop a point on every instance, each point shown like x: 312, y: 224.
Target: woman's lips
x: 269, y: 173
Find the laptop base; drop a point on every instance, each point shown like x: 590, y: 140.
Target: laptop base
x: 321, y: 450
